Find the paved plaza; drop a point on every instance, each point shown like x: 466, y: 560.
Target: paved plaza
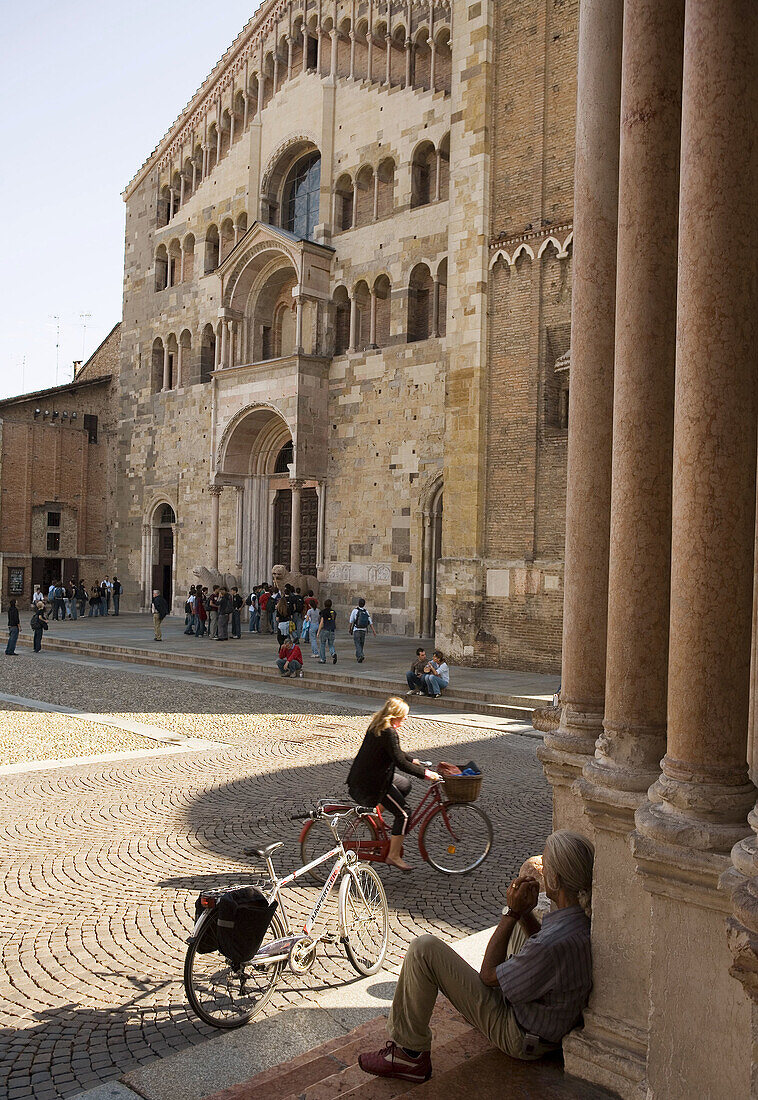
x: 102, y: 859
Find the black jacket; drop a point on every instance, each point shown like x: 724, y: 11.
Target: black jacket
x: 373, y: 769
x: 13, y: 619
x: 225, y: 605
x: 160, y: 606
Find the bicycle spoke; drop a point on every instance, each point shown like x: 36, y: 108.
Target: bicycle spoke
x: 457, y: 838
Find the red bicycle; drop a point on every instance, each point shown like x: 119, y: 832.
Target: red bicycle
x: 453, y: 837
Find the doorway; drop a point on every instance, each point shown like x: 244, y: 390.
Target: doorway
x: 282, y: 527
x: 162, y: 558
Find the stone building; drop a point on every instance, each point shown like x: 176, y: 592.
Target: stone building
x: 347, y: 315
x: 655, y: 752
x: 58, y: 458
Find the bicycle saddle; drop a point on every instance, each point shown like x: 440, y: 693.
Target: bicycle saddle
x: 265, y: 850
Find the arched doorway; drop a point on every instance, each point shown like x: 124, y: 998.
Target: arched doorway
x: 161, y: 553
x: 431, y: 552
x: 258, y: 458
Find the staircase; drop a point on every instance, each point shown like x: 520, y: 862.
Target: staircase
x: 518, y: 707
x: 465, y: 1064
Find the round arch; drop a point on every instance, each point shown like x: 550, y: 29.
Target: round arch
x: 159, y: 544
x: 431, y: 508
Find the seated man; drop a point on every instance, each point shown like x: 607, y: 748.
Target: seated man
x: 436, y: 675
x: 290, y: 659
x: 534, y: 981
x: 415, y: 678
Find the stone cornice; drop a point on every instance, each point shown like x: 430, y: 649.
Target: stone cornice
x: 243, y: 50
x: 218, y: 81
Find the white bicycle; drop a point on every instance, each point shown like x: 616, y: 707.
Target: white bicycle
x: 226, y: 996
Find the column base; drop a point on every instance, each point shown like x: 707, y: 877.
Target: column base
x: 563, y: 755
x: 608, y: 1053
x: 700, y: 1018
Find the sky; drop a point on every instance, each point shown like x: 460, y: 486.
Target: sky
x: 87, y: 90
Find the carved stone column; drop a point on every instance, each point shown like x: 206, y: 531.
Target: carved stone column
x: 240, y: 525
x: 296, y: 488
x: 700, y: 1040
x: 611, y: 1049
x: 215, y: 491
x: 166, y: 367
x: 588, y: 496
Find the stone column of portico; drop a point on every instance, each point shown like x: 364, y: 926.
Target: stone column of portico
x: 588, y: 495
x: 611, y: 1048
x: 166, y: 368
x: 215, y: 491
x: 700, y: 1042
x: 296, y: 487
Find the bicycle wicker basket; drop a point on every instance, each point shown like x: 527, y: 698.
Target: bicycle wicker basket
x: 462, y: 788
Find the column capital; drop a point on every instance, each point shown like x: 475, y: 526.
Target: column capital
x: 215, y: 490
x: 297, y: 483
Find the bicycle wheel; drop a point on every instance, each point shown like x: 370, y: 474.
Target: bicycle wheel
x: 457, y: 838
x: 318, y: 839
x: 365, y: 918
x: 224, y: 997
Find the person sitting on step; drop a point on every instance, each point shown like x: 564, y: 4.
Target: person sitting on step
x: 534, y: 982
x: 290, y: 659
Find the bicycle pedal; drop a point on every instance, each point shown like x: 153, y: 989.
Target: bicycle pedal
x: 330, y: 938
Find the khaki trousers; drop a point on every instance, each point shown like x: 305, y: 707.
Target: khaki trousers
x: 431, y: 966
x: 157, y: 627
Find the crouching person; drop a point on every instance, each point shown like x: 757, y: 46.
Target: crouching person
x: 290, y: 659
x: 534, y: 982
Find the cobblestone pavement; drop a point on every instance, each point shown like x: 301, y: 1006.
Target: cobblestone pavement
x: 101, y: 863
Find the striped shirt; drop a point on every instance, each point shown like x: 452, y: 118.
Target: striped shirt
x: 548, y: 982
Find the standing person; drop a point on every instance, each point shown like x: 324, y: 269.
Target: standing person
x: 190, y: 622
x: 415, y: 678
x: 39, y: 625
x: 51, y: 594
x: 14, y: 625
x: 252, y: 603
x: 201, y: 611
x: 312, y: 619
x: 224, y: 611
x: 59, y: 602
x: 108, y: 593
x: 372, y: 779
x: 81, y: 597
x: 104, y: 597
x: 237, y: 604
x: 274, y: 597
x: 117, y: 590
x: 298, y: 606
x: 290, y: 659
x: 160, y: 611
x: 213, y: 613
x: 436, y: 674
x: 263, y: 602
x: 360, y: 621
x: 326, y: 629
x: 94, y: 601
x: 283, y: 620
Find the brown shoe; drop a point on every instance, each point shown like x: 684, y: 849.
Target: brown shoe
x: 392, y: 1061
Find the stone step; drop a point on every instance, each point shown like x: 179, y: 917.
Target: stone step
x: 464, y: 1063
x: 514, y: 707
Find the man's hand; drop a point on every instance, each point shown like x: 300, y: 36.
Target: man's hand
x: 522, y: 895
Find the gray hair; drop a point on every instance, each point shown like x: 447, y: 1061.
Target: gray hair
x: 568, y: 862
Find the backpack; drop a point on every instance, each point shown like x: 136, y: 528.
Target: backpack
x: 362, y: 619
x: 243, y: 917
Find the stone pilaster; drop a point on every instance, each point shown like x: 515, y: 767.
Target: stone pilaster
x: 611, y: 1050
x: 588, y: 496
x: 696, y: 811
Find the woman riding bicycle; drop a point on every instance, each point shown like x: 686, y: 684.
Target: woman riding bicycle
x: 372, y: 780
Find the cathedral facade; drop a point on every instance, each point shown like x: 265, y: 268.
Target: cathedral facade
x: 346, y: 320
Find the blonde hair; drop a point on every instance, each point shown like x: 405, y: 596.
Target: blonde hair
x: 393, y: 708
x: 568, y: 862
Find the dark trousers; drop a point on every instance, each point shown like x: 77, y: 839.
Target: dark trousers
x: 12, y: 639
x: 38, y: 638
x: 236, y: 625
x: 223, y: 627
x: 415, y: 683
x: 59, y: 609
x: 395, y: 802
x: 116, y: 602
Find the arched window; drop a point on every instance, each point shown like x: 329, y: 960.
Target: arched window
x: 156, y: 366
x: 382, y: 295
x: 364, y: 212
x: 207, y: 354
x: 226, y: 243
x: 343, y: 203
x: 188, y: 249
x: 422, y: 174
x: 174, y: 263
x: 165, y: 517
x: 443, y: 62
x: 420, y: 291
x: 284, y: 459
x: 341, y: 321
x: 385, y: 188
x: 300, y: 206
x: 164, y: 205
x: 161, y: 268
x: 211, y: 249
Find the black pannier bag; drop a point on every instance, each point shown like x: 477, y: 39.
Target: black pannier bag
x: 242, y: 919
x: 208, y: 941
